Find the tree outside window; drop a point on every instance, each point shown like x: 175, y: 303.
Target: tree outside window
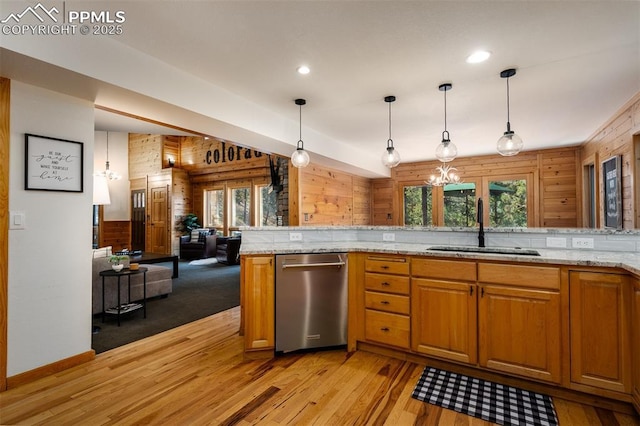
x: 418, y: 206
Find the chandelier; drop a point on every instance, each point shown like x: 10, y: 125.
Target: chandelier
x: 447, y: 175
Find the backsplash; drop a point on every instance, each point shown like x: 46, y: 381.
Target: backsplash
x: 536, y: 238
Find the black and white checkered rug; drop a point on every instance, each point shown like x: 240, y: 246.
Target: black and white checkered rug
x: 489, y: 401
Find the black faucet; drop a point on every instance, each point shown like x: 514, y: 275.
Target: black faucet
x: 481, y: 223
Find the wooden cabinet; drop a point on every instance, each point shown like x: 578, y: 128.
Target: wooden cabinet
x: 519, y: 320
x: 443, y: 320
x: 600, y: 330
x: 257, y: 294
x: 386, y: 300
x: 635, y: 350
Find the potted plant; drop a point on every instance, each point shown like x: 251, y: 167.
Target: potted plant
x: 115, y: 261
x: 189, y: 223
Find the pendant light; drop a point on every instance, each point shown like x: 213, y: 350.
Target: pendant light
x: 109, y: 174
x: 447, y: 150
x: 300, y: 157
x: 390, y: 156
x: 510, y: 143
x: 445, y: 175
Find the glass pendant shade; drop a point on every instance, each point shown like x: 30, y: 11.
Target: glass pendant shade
x: 390, y: 157
x: 300, y: 157
x: 510, y: 143
x: 446, y: 151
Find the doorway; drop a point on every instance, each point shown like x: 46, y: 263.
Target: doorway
x: 138, y: 219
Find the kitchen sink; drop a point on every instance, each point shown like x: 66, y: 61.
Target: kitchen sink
x: 490, y: 250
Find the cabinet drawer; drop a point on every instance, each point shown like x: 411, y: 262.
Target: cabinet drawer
x: 456, y: 270
x: 528, y: 276
x: 391, y: 329
x: 387, y: 265
x: 386, y: 283
x: 386, y: 302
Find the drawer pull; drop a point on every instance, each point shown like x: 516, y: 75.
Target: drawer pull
x: 385, y: 267
x: 386, y: 284
x: 470, y: 290
x: 384, y: 302
x: 385, y: 329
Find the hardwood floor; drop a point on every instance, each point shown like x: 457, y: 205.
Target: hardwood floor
x: 196, y: 375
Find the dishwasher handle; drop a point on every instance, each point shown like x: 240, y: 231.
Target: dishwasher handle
x: 313, y: 265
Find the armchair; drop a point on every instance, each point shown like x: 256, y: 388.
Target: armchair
x: 228, y: 250
x: 200, y: 244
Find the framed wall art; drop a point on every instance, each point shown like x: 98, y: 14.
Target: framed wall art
x: 612, y: 181
x: 53, y: 164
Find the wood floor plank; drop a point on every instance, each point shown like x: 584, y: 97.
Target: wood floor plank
x: 196, y: 375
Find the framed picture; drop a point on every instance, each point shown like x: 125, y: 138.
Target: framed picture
x: 53, y: 164
x: 612, y: 181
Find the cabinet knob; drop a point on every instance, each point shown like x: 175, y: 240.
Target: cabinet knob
x: 384, y: 302
x: 385, y: 329
x: 470, y: 290
x: 384, y: 267
x: 386, y: 284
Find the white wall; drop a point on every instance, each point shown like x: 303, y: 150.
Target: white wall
x: 119, y: 209
x: 49, y: 292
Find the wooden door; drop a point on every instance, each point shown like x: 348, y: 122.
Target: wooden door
x: 444, y: 319
x: 138, y: 219
x: 600, y: 332
x: 635, y: 330
x: 519, y: 331
x: 257, y: 294
x: 158, y: 220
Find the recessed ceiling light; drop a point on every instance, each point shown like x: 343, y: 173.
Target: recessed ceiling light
x: 478, y: 56
x: 303, y: 69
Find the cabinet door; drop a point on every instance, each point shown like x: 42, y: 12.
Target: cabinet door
x: 519, y: 331
x: 258, y: 302
x: 635, y: 329
x: 599, y: 324
x: 443, y: 316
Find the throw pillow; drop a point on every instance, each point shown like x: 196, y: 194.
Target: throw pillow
x: 202, y: 236
x: 102, y: 252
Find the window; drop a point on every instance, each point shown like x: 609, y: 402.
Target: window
x: 267, y: 206
x: 214, y: 209
x: 508, y: 203
x: 418, y: 206
x: 240, y: 207
x: 460, y: 204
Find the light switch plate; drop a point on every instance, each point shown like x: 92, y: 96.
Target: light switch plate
x: 388, y: 236
x: 17, y: 220
x: 558, y: 242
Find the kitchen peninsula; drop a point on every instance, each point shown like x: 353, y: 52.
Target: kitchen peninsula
x: 566, y: 322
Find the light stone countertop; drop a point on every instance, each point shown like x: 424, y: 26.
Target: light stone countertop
x: 629, y: 261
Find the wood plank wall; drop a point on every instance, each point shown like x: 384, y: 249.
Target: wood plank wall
x: 5, y: 142
x: 145, y: 155
x: 332, y: 197
x: 551, y: 175
x: 618, y: 136
x: 116, y: 233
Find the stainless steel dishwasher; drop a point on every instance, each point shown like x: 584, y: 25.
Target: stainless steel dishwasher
x: 311, y: 301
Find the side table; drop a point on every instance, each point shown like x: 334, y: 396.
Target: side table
x: 130, y: 307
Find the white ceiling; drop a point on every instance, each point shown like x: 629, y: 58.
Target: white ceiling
x: 578, y: 62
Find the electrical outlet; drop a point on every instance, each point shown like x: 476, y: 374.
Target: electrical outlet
x: 295, y: 236
x: 582, y: 243
x: 556, y: 242
x: 388, y: 236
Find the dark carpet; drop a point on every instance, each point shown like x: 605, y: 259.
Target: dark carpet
x: 496, y: 403
x: 199, y: 291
